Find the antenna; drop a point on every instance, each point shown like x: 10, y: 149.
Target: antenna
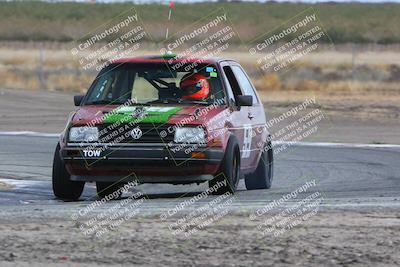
x: 171, y: 6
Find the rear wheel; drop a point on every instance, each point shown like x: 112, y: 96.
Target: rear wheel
x: 262, y: 177
x: 108, y: 189
x: 228, y: 176
x: 63, y: 187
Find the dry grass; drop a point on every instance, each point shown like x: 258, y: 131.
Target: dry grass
x: 45, y: 21
x: 272, y: 82
x: 324, y: 71
x: 373, y: 94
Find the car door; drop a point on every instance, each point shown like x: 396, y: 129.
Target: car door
x: 255, y: 118
x: 241, y: 121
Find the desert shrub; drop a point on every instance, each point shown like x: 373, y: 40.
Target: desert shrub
x: 269, y: 81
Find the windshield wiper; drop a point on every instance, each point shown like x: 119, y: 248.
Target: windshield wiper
x: 140, y: 104
x: 183, y: 101
x: 198, y: 102
x: 105, y: 102
x: 194, y: 102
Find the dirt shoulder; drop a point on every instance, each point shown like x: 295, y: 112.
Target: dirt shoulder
x: 329, y: 238
x: 350, y: 117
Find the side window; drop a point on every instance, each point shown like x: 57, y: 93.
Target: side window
x: 232, y: 81
x: 244, y: 83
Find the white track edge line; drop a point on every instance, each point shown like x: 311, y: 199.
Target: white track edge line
x: 29, y: 133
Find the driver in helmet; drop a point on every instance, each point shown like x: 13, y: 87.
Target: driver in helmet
x: 195, y: 86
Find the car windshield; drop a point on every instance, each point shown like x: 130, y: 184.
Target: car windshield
x: 154, y: 83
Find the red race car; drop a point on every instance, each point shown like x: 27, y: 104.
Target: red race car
x: 165, y: 119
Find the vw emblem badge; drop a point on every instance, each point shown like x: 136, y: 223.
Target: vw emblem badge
x: 136, y: 133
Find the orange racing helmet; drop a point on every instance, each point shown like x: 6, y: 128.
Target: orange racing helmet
x: 194, y: 86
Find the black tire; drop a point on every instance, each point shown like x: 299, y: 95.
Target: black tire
x: 107, y: 189
x: 229, y: 170
x: 63, y: 187
x: 262, y: 177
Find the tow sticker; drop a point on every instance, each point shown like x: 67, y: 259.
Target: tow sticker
x: 90, y: 153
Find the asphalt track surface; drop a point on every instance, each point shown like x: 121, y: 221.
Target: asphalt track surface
x: 346, y: 175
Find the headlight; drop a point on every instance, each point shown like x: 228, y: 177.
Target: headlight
x: 83, y: 134
x: 189, y: 135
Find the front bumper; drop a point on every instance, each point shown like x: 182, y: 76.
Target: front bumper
x: 146, y: 163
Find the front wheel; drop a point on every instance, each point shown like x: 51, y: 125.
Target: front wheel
x: 227, y: 178
x: 262, y: 177
x: 63, y: 187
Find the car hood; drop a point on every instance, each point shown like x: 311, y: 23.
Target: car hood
x: 177, y: 114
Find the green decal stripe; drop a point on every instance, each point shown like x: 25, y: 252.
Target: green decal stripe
x: 151, y: 115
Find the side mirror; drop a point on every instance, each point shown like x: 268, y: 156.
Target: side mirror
x: 78, y: 99
x: 244, y: 100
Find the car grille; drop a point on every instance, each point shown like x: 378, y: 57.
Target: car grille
x: 149, y: 133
